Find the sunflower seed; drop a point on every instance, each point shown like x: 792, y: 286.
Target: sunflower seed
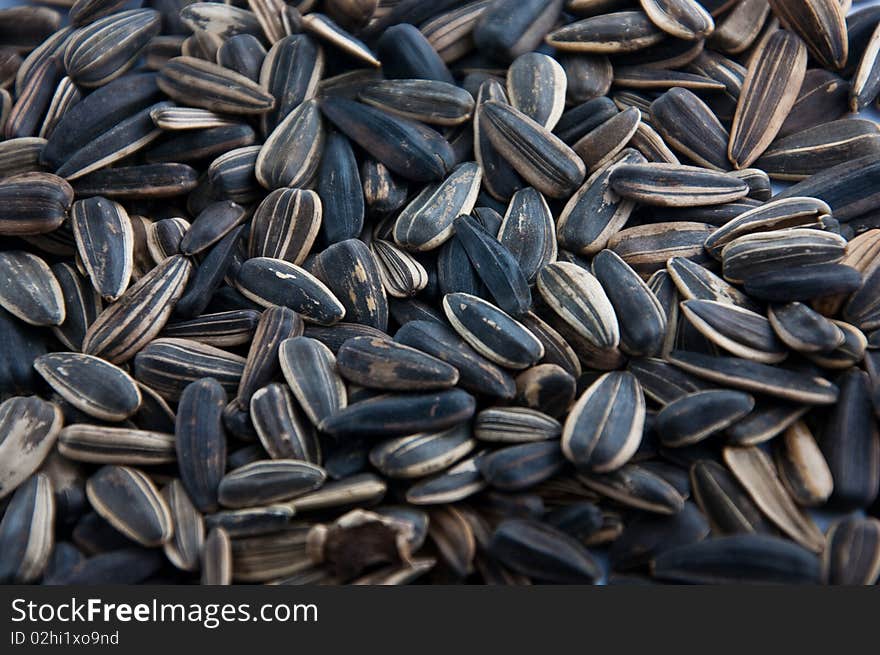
x: 852, y: 556
x: 201, y: 441
x: 850, y: 443
x: 491, y: 332
x: 109, y: 445
x: 634, y: 486
x: 251, y: 521
x: 407, y: 148
x: 518, y: 467
x: 756, y: 559
x: 198, y: 83
x: 265, y: 482
x: 803, y: 329
x: 29, y: 289
x: 694, y: 417
x: 739, y: 331
x: 476, y: 373
x: 611, y: 33
x: 604, y: 427
x: 184, y: 548
x: 405, y: 53
x: 542, y: 552
x: 280, y: 427
x: 542, y: 159
x: 683, y: 19
x: 750, y: 255
x: 30, y: 427
x: 322, y: 392
x: 422, y: 454
x: 802, y: 467
x: 427, y: 221
x: 756, y: 473
x: 105, y: 243
x: 130, y: 502
x: 769, y: 92
x: 821, y: 24
x: 123, y: 328
x: 105, y: 49
x: 740, y: 27
x: 508, y: 29
x: 26, y: 531
x: 515, y: 425
x: 216, y: 560
x: 690, y: 127
x: 671, y: 185
x: 760, y: 378
x: 385, y: 364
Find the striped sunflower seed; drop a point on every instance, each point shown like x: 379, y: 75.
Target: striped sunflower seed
x: 739, y: 331
x: 755, y: 471
x: 407, y: 148
x: 696, y: 416
x: 90, y: 384
x: 601, y: 145
x: 634, y: 486
x: 29, y: 289
x: 269, y: 282
x: 514, y: 425
x: 852, y: 556
x: 251, y: 521
x: 128, y: 500
x: 689, y: 126
x: 769, y: 92
x: 757, y: 559
x: 683, y: 19
x: 604, y: 428
x: 671, y: 185
x: 265, y: 482
x: 96, y: 444
x: 419, y: 455
x: 200, y: 441
x: 322, y: 392
x: 289, y: 157
x: 339, y: 187
x: 198, y: 83
x: 276, y: 324
x: 508, y: 29
x: 216, y: 559
x: 105, y: 243
x: 169, y: 365
x: 456, y: 483
x: 29, y: 427
x: 427, y: 221
x: 760, y: 378
x: 491, y: 332
x: 725, y: 503
x: 280, y: 426
x: 386, y: 364
x: 536, y: 85
x: 518, y: 467
x: 122, y: 329
x: 540, y: 157
x: 26, y: 531
x: 822, y: 26
x: 611, y: 33
x: 477, y: 374
x: 395, y: 414
x: 427, y: 101
x: 105, y: 49
x: 803, y: 329
x: 528, y: 232
x: 802, y: 467
x: 184, y: 549
x: 224, y: 20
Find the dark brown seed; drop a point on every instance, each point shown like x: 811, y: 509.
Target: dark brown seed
x: 803, y: 329
x: 823, y: 97
x: 407, y: 148
x: 542, y: 159
x: 601, y: 146
x: 422, y: 454
x: 802, y: 467
x: 737, y: 330
x: 671, y: 185
x: 282, y: 431
x: 634, y: 486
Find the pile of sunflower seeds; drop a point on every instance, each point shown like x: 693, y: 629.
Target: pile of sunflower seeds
x: 485, y: 291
